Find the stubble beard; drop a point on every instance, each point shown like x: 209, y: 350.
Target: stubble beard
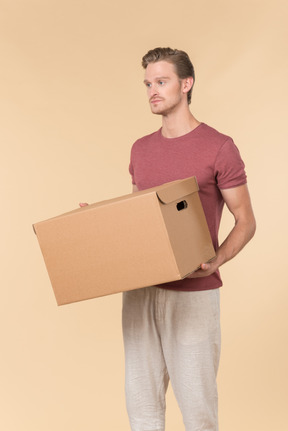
x: 164, y: 111
x: 168, y: 109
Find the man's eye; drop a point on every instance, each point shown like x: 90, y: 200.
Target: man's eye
x: 148, y: 85
x: 161, y: 82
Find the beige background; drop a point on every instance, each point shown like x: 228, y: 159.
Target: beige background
x: 72, y: 103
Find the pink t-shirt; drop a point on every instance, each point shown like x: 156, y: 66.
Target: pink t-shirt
x: 209, y: 155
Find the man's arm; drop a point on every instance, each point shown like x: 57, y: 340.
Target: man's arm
x: 238, y: 202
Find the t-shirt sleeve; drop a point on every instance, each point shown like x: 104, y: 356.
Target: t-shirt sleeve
x: 131, y: 169
x: 229, y: 166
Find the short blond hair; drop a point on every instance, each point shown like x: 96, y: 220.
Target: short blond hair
x: 183, y: 66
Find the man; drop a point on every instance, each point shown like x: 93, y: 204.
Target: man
x: 172, y: 331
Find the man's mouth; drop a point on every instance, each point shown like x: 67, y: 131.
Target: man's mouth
x: 156, y: 100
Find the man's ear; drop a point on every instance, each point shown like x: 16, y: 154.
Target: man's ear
x: 187, y: 84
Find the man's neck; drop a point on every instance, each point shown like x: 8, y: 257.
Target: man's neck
x: 178, y: 124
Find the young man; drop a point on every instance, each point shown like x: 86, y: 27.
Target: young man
x: 172, y: 331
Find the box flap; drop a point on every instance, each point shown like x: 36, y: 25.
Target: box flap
x: 177, y: 189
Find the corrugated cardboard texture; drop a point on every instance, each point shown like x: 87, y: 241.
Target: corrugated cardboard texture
x: 125, y: 243
x: 192, y: 244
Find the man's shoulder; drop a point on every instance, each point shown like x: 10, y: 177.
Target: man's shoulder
x: 211, y: 132
x: 202, y: 134
x: 147, y: 138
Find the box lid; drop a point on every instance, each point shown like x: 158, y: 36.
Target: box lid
x: 176, y: 190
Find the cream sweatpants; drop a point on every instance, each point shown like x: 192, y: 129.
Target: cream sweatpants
x: 171, y: 335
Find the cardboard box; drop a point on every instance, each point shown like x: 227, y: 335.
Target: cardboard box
x: 141, y: 239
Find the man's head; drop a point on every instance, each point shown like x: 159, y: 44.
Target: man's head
x: 181, y: 61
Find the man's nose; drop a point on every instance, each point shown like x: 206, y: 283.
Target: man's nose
x: 153, y: 90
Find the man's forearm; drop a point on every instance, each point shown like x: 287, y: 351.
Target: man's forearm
x: 240, y: 235
x: 238, y: 202
x: 233, y: 244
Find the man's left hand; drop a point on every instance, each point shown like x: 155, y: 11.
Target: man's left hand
x: 205, y: 270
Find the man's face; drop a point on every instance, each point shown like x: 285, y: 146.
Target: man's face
x: 164, y: 88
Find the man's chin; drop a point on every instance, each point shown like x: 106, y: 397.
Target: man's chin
x: 156, y: 112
